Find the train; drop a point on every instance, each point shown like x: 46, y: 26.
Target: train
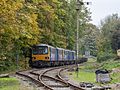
x: 43, y: 55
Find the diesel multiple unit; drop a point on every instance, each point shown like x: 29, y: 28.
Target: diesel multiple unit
x: 45, y: 55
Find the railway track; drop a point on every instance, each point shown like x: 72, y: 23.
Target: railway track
x: 50, y: 79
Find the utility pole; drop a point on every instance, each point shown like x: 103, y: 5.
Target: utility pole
x: 79, y: 3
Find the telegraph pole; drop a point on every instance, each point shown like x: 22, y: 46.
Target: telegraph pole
x: 79, y: 4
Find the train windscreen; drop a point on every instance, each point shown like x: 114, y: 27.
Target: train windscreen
x: 40, y: 50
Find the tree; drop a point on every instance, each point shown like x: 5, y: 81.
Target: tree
x: 18, y: 29
x: 24, y: 23
x: 108, y: 40
x: 71, y: 22
x: 116, y: 38
x: 89, y: 39
x: 109, y: 27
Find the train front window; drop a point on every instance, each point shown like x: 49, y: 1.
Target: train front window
x: 40, y: 50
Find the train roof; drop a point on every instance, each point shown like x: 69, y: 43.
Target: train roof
x: 54, y: 47
x: 60, y: 48
x: 44, y: 45
x: 65, y: 49
x: 72, y: 51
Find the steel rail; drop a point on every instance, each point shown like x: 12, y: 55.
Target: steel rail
x: 70, y: 84
x: 42, y: 75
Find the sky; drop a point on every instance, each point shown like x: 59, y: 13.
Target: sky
x: 102, y: 8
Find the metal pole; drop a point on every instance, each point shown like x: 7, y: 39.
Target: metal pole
x: 79, y: 3
x: 77, y: 36
x: 78, y: 7
x: 77, y: 31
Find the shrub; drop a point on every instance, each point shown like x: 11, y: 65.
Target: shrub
x: 104, y: 56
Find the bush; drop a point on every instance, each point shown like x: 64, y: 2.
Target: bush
x: 11, y: 65
x: 7, y: 66
x: 104, y: 56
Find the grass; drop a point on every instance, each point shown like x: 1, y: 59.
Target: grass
x: 87, y: 71
x: 84, y: 76
x: 115, y: 78
x: 9, y: 84
x: 13, y: 84
x: 110, y: 65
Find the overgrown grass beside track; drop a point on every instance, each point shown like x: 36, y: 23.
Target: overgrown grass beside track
x: 87, y: 71
x: 84, y: 76
x: 9, y: 84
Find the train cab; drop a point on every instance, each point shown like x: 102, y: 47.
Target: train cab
x: 40, y: 54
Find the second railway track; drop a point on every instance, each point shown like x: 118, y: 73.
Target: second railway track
x: 50, y: 78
